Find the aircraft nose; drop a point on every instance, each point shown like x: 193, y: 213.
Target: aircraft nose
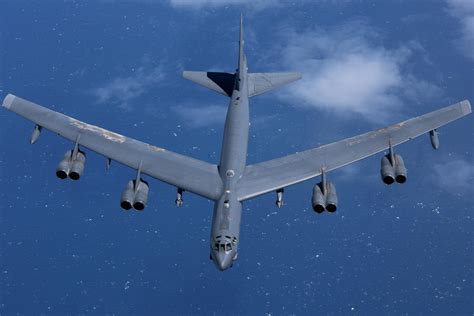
x: 223, y: 261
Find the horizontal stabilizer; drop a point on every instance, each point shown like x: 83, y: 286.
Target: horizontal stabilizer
x: 259, y: 83
x: 221, y: 82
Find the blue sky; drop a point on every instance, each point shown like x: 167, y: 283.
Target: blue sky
x: 67, y: 247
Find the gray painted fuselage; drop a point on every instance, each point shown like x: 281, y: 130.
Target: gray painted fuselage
x: 228, y: 210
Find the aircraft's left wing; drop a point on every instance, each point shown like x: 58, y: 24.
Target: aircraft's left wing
x: 181, y: 171
x: 278, y: 173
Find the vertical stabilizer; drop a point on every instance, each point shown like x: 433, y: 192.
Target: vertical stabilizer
x: 241, y: 45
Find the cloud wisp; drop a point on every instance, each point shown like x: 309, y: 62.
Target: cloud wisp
x: 346, y: 70
x: 122, y: 90
x: 197, y: 116
x: 455, y: 176
x: 464, y: 11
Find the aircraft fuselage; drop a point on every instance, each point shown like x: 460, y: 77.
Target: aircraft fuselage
x: 228, y: 210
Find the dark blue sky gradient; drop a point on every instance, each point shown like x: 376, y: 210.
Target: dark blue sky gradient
x: 67, y: 247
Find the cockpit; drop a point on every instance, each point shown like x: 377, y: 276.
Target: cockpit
x: 224, y: 243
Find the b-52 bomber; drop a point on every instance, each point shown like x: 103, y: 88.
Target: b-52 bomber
x: 231, y: 182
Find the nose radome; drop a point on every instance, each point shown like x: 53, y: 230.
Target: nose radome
x: 223, y: 261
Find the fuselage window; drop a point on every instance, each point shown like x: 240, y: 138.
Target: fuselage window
x: 226, y: 204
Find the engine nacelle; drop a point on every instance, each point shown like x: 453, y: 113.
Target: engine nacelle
x: 321, y: 201
x: 318, y: 201
x: 71, y: 168
x: 62, y: 171
x: 393, y: 172
x: 387, y: 171
x: 77, y: 167
x: 141, y: 197
x: 135, y: 197
x: 331, y: 198
x: 128, y: 195
x: 400, y: 169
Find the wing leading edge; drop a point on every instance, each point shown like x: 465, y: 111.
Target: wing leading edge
x: 274, y: 174
x: 181, y: 171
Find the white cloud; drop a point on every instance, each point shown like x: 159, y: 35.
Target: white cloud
x: 464, y: 11
x: 122, y: 90
x: 196, y: 116
x: 345, y: 71
x: 455, y: 176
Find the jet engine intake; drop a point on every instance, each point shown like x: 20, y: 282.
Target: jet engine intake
x: 321, y: 201
x: 135, y: 196
x: 141, y: 197
x: 318, y: 201
x: 331, y: 198
x: 77, y: 167
x: 400, y: 169
x: 128, y: 195
x: 387, y: 171
x: 393, y: 171
x: 69, y: 167
x: 62, y: 171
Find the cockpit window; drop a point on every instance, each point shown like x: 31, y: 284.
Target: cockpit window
x: 224, y: 243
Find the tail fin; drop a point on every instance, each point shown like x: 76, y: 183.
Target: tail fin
x: 241, y: 62
x: 221, y: 82
x: 259, y: 83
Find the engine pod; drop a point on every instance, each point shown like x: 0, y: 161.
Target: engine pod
x: 387, y: 171
x: 62, y: 171
x: 77, y: 167
x: 141, y: 197
x: 400, y: 169
x: 331, y: 198
x: 318, y: 201
x: 126, y: 200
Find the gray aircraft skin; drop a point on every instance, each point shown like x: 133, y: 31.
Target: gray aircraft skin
x: 232, y: 182
x: 228, y: 209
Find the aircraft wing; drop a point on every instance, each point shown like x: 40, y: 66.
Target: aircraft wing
x: 278, y: 173
x: 181, y: 171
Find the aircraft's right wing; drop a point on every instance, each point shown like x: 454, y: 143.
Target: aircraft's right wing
x: 278, y: 173
x: 181, y: 171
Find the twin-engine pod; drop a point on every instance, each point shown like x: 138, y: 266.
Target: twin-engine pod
x: 324, y: 197
x: 393, y: 169
x: 135, y: 195
x: 71, y: 165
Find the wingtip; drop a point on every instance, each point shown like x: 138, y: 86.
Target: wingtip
x: 466, y: 107
x: 7, y: 102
